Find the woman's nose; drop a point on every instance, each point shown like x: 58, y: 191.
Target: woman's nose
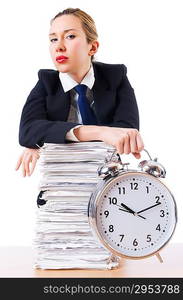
x: 60, y: 47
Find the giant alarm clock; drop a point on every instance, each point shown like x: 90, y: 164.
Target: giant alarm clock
x: 131, y: 212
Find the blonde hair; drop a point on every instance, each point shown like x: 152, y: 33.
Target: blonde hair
x: 87, y: 23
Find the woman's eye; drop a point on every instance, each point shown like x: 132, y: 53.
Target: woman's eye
x: 52, y: 40
x: 71, y: 36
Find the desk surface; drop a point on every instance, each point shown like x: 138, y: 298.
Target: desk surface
x: 19, y: 261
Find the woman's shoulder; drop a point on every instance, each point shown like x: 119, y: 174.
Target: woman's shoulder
x: 48, y: 72
x: 112, y: 73
x: 49, y: 79
x: 111, y: 67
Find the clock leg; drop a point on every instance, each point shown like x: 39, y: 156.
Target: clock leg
x: 159, y: 257
x: 113, y: 262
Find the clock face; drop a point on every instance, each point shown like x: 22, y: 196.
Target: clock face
x: 135, y: 215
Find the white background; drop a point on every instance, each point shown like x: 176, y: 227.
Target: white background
x: 145, y: 35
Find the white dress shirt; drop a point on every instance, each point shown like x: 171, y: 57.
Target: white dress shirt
x: 68, y: 84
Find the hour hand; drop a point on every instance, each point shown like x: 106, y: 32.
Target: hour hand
x: 128, y: 208
x: 131, y: 211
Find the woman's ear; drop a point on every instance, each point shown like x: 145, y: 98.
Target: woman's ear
x: 93, y: 47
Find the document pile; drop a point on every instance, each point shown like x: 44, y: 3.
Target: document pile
x: 63, y: 238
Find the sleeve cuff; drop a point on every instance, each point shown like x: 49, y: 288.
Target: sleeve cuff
x: 70, y: 136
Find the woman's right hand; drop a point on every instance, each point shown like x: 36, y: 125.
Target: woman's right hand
x: 28, y: 156
x: 125, y: 140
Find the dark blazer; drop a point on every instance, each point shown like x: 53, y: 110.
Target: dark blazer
x: 45, y: 113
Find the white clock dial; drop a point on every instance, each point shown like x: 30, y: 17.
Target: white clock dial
x: 135, y: 214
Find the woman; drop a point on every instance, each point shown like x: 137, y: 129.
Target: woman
x: 83, y: 100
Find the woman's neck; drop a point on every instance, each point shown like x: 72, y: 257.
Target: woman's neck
x: 78, y: 76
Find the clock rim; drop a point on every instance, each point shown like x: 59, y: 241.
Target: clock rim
x: 92, y: 212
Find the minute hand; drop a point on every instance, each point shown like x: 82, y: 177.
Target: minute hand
x: 148, y: 208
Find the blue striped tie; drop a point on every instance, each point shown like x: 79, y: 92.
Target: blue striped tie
x: 87, y: 115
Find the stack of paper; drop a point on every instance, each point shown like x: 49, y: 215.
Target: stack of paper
x: 64, y: 239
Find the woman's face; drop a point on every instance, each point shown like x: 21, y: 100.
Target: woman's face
x: 68, y: 39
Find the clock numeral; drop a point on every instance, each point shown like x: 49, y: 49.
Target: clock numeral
x: 157, y: 200
x: 120, y: 190
x: 112, y: 200
x: 111, y: 228
x: 134, y: 185
x: 162, y: 213
x: 149, y: 238
x: 122, y: 236
x: 106, y: 213
x: 147, y: 189
x: 158, y: 227
x: 135, y: 243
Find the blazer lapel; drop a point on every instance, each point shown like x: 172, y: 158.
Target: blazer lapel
x: 104, y: 96
x: 58, y: 104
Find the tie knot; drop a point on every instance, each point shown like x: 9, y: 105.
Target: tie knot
x: 81, y: 89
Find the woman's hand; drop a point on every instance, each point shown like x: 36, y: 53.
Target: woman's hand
x: 29, y: 156
x: 125, y: 140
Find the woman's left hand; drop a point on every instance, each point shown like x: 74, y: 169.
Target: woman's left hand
x: 29, y: 156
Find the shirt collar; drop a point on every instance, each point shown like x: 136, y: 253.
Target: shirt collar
x: 69, y: 83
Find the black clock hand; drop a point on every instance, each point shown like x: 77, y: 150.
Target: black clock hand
x: 131, y: 211
x: 148, y: 208
x: 122, y: 209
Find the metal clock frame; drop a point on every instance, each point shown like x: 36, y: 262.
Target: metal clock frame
x: 94, y: 203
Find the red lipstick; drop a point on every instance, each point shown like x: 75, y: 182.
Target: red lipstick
x: 61, y: 59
